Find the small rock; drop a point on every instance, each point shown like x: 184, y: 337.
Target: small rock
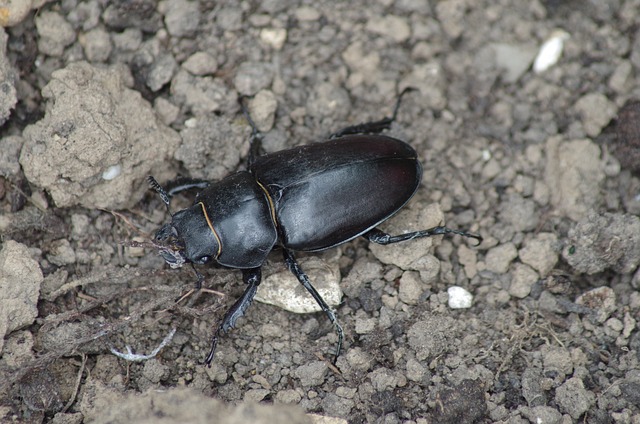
x: 328, y: 101
x: 515, y: 59
x: 61, y: 253
x: 524, y: 277
x: 9, y: 154
x: 432, y: 336
x: 306, y: 13
x: 201, y: 95
x: 540, y: 253
x: 390, y: 26
x: 519, y: 212
x: 557, y: 359
x: 288, y: 396
x: 415, y: 370
x: 229, y: 18
x: 283, y: 289
x: 383, y: 379
x: 167, y: 111
x: 154, y: 370
x: 364, y: 269
x: 161, y: 72
x: 573, y: 398
x: 312, y: 373
x: 451, y: 14
x: 365, y: 325
x: 182, y: 17
x: 459, y: 298
x: 262, y: 108
x: 575, y: 170
x: 128, y: 40
x: 200, y: 63
x: 334, y: 405
x: 410, y: 288
x: 85, y: 15
x: 622, y: 78
x: 144, y: 16
x: 599, y: 242
x: 498, y: 258
x: 255, y: 395
x: 211, y: 147
x: 358, y: 359
x: 543, y: 414
x: 275, y: 37
x: 596, y: 111
x: 469, y: 260
x: 532, y: 389
x: 20, y: 280
x: 601, y: 300
x: 8, y: 100
x: 252, y: 77
x: 54, y: 33
x: 96, y: 45
x: 15, y: 11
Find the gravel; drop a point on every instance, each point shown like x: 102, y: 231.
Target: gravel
x: 97, y: 96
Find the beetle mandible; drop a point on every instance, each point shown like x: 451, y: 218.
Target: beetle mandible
x: 308, y: 198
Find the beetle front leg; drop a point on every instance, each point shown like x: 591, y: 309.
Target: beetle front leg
x: 294, y: 267
x: 252, y: 277
x: 380, y: 237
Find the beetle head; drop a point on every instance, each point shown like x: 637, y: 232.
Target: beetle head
x: 170, y: 247
x: 187, y: 239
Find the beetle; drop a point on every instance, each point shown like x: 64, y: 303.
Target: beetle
x: 307, y: 198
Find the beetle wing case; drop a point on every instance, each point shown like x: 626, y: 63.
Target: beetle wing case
x: 328, y: 193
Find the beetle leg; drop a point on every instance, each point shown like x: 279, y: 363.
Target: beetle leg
x: 255, y: 146
x: 294, y: 267
x: 182, y: 184
x: 200, y: 277
x: 380, y: 237
x: 252, y: 278
x: 374, y: 127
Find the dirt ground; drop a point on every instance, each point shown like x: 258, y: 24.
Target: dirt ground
x: 540, y: 159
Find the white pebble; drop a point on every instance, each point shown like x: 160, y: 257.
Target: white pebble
x: 459, y: 298
x: 275, y: 37
x: 112, y: 172
x: 550, y: 51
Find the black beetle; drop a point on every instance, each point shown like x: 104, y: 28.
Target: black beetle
x: 308, y: 198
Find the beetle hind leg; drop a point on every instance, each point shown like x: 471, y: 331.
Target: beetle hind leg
x: 373, y: 127
x: 380, y: 237
x: 252, y: 278
x: 294, y: 267
x: 255, y: 142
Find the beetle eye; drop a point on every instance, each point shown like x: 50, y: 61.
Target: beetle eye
x: 203, y: 260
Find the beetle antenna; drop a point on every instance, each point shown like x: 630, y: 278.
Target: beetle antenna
x: 161, y: 191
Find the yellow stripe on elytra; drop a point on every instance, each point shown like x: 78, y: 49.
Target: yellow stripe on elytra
x: 272, y: 207
x: 206, y: 216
